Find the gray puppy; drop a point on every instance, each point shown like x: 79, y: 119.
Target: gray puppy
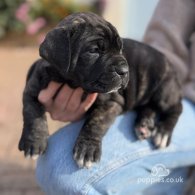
x: 86, y: 51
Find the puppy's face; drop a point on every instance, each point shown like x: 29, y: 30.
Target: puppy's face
x: 87, y: 51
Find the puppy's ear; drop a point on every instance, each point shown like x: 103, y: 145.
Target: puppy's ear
x: 56, y: 49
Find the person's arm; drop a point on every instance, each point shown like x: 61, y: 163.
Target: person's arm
x: 170, y: 30
x: 66, y: 105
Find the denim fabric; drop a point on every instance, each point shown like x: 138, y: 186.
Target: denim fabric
x: 124, y: 159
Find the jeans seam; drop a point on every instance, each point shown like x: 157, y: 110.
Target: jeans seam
x: 121, y: 162
x: 111, y: 167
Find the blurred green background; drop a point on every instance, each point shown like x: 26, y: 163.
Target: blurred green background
x: 31, y: 17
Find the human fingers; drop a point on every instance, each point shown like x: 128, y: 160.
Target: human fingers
x: 62, y: 98
x: 87, y: 103
x: 46, y: 95
x: 73, y: 114
x: 66, y: 104
x: 75, y: 100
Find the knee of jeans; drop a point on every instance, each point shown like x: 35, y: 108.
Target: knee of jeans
x: 47, y: 180
x: 42, y: 173
x: 184, y: 131
x: 60, y: 176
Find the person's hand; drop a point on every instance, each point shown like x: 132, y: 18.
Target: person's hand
x: 66, y: 105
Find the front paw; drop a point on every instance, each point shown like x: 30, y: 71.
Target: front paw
x: 161, y: 138
x: 87, y: 152
x: 33, y: 145
x: 145, y: 128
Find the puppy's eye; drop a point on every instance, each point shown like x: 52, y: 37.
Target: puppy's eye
x: 93, y: 50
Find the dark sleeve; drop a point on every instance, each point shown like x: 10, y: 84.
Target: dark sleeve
x: 170, y: 31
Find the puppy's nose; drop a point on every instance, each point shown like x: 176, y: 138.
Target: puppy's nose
x: 122, y: 69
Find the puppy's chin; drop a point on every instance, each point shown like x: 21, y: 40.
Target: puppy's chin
x: 105, y: 86
x: 114, y: 90
x: 101, y: 90
x: 99, y: 87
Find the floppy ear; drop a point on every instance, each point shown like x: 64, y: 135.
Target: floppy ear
x: 56, y: 49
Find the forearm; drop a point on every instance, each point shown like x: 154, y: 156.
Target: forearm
x: 170, y: 30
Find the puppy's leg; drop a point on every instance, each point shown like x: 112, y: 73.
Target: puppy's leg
x: 167, y: 100
x: 145, y: 123
x: 35, y: 131
x: 166, y: 124
x: 87, y: 149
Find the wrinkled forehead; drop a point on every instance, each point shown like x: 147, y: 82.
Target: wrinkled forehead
x: 79, y: 18
x: 92, y: 26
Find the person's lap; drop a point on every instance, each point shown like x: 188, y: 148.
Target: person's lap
x: 125, y: 161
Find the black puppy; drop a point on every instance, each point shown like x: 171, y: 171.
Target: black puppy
x: 86, y: 51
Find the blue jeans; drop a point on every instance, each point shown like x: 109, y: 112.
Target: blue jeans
x: 127, y: 166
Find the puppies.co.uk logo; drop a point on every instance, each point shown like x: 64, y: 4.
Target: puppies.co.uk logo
x: 159, y: 173
x: 159, y: 170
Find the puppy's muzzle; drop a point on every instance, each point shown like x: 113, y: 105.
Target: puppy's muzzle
x: 122, y: 69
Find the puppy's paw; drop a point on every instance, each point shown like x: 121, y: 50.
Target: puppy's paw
x: 161, y: 139
x: 145, y: 128
x: 87, y: 152
x: 33, y: 145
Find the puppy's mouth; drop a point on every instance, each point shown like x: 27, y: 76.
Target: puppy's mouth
x: 100, y: 87
x: 106, y: 83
